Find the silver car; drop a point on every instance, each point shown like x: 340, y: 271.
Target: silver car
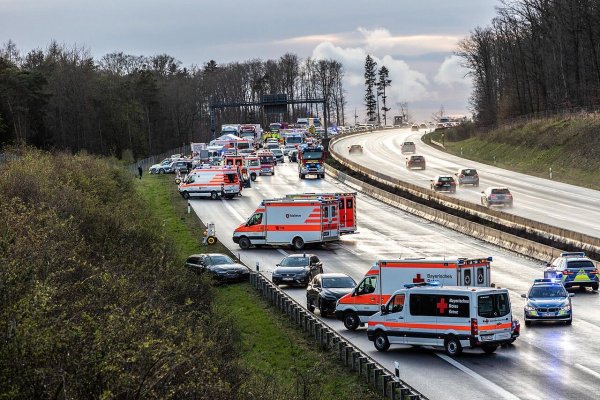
x: 467, y: 176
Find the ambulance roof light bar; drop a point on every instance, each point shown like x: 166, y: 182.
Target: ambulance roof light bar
x: 421, y: 284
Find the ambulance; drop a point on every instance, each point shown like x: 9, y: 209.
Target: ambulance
x: 267, y: 162
x: 252, y: 163
x: 293, y: 222
x: 211, y: 181
x: 450, y: 317
x: 356, y: 307
x: 347, y: 203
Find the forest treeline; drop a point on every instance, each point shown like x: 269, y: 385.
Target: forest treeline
x: 62, y: 98
x: 537, y: 55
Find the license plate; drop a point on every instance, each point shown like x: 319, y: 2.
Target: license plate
x: 288, y: 279
x: 487, y: 338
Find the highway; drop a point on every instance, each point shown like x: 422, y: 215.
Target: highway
x: 547, y: 361
x: 554, y: 203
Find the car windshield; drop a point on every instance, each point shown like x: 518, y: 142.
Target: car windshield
x: 500, y: 191
x: 579, y: 264
x: 417, y: 158
x: 276, y: 151
x: 312, y: 155
x: 537, y: 292
x: 408, y: 144
x: 493, y: 305
x: 469, y: 172
x: 338, y: 282
x: 445, y: 179
x: 294, y: 262
x: 219, y: 260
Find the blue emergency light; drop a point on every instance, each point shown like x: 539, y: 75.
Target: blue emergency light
x: 420, y: 284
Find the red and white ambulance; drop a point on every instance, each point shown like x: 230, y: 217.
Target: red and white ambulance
x: 292, y: 222
x: 211, y: 181
x: 267, y: 162
x: 387, y: 276
x: 252, y: 163
x: 347, y: 203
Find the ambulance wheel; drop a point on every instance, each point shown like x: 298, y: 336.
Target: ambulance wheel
x: 351, y: 320
x: 253, y: 177
x: 310, y: 305
x: 211, y: 240
x: 298, y: 243
x: 381, y: 341
x: 244, y: 243
x: 452, y: 346
x: 185, y: 195
x: 490, y: 348
x: 214, y: 195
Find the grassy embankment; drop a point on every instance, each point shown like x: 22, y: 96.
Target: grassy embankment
x: 284, y: 360
x: 570, y: 146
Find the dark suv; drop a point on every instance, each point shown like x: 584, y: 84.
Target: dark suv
x: 415, y: 162
x: 297, y: 269
x: 181, y: 166
x: 326, y: 289
x: 443, y: 183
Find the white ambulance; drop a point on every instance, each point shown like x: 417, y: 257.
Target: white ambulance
x: 451, y: 317
x: 356, y: 307
x: 292, y: 222
x: 252, y: 163
x: 347, y: 212
x: 211, y: 181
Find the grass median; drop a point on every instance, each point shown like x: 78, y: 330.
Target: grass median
x: 281, y: 361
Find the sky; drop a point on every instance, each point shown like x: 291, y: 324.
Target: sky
x: 414, y: 39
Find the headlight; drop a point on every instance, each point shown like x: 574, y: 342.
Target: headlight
x: 529, y: 307
x: 566, y: 307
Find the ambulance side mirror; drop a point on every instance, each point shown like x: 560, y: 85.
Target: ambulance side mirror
x: 524, y: 296
x: 384, y: 309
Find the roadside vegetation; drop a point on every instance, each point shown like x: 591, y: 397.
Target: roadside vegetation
x: 570, y: 146
x: 96, y: 302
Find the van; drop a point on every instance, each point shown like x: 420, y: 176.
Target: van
x: 452, y: 317
x: 211, y: 181
x: 408, y: 147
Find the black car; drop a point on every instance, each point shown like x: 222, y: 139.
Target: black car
x: 297, y: 269
x: 220, y: 266
x: 325, y: 290
x: 443, y: 183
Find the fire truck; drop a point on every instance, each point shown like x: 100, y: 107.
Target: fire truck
x: 387, y: 276
x: 211, y: 181
x: 311, y: 159
x: 293, y: 222
x: 347, y: 205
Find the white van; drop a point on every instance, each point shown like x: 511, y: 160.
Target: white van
x: 451, y: 317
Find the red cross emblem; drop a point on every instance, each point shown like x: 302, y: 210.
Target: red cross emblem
x: 418, y: 279
x: 442, y: 306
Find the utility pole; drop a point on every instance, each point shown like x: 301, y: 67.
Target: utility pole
x: 355, y: 117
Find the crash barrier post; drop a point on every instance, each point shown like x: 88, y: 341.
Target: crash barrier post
x: 503, y: 239
x: 383, y: 380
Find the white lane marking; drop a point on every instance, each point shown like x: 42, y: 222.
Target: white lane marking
x: 350, y: 250
x: 233, y: 211
x: 588, y: 370
x: 489, y: 384
x: 283, y: 252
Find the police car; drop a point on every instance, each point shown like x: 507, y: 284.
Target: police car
x: 548, y: 300
x: 574, y: 269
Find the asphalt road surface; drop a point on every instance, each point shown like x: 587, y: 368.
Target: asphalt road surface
x: 551, y: 361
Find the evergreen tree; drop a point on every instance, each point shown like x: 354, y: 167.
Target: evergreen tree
x: 383, y: 82
x: 370, y: 81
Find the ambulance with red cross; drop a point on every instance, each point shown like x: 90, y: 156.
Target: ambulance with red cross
x: 211, y: 181
x: 387, y: 276
x: 450, y: 317
x: 293, y: 222
x: 347, y: 211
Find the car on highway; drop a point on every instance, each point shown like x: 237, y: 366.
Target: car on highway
x: 287, y: 148
x: 293, y: 155
x: 297, y: 269
x: 548, y: 300
x: 326, y: 289
x: 278, y: 154
x: 183, y: 166
x: 443, y: 183
x: 355, y: 149
x: 415, y: 161
x: 574, y: 269
x: 496, y: 196
x: 161, y: 167
x: 408, y: 147
x: 414, y: 128
x: 220, y: 266
x: 467, y: 176
x: 423, y: 126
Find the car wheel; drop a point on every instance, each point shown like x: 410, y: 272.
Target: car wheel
x: 527, y: 322
x: 185, y: 195
x: 381, y: 341
x: 244, y: 242
x: 351, y: 320
x: 298, y: 243
x: 595, y: 286
x: 301, y: 176
x: 253, y: 177
x: 569, y: 321
x: 310, y: 305
x: 161, y: 171
x: 489, y: 348
x: 214, y: 195
x: 452, y: 346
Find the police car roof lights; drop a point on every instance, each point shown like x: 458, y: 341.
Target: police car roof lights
x: 545, y: 280
x: 421, y: 284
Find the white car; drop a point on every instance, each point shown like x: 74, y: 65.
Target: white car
x: 162, y: 167
x: 287, y: 148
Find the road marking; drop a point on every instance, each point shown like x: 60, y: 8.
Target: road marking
x: 283, y: 252
x: 233, y: 211
x: 489, y: 384
x: 350, y: 250
x: 588, y: 370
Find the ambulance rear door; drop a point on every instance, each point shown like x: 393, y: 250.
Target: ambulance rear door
x: 330, y: 221
x: 474, y: 273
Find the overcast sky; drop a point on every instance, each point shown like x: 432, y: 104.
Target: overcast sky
x: 414, y: 39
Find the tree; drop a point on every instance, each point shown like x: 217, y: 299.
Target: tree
x: 370, y: 80
x: 384, y: 82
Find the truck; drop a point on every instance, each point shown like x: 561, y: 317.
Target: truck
x: 250, y: 132
x: 293, y: 222
x: 293, y: 138
x: 311, y: 159
x: 233, y: 129
x: 347, y: 207
x: 387, y: 276
x: 211, y: 181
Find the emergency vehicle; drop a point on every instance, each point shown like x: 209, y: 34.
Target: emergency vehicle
x: 211, y: 181
x: 252, y: 163
x: 311, y: 161
x: 347, y: 212
x: 292, y: 222
x: 267, y: 162
x: 356, y: 307
x: 451, y: 317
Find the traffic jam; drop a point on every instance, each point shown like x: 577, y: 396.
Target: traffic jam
x: 449, y: 304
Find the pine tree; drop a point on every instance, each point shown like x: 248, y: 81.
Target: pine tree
x: 370, y: 102
x: 384, y: 82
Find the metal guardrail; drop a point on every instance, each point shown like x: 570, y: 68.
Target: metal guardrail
x: 384, y: 382
x: 552, y: 233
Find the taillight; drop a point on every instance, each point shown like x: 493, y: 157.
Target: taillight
x: 461, y: 176
x: 594, y: 271
x: 474, y: 327
x: 492, y: 196
x: 567, y: 272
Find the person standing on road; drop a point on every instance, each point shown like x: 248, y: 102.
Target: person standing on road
x: 140, y: 171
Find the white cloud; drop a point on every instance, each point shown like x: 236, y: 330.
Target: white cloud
x: 452, y: 73
x: 382, y: 39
